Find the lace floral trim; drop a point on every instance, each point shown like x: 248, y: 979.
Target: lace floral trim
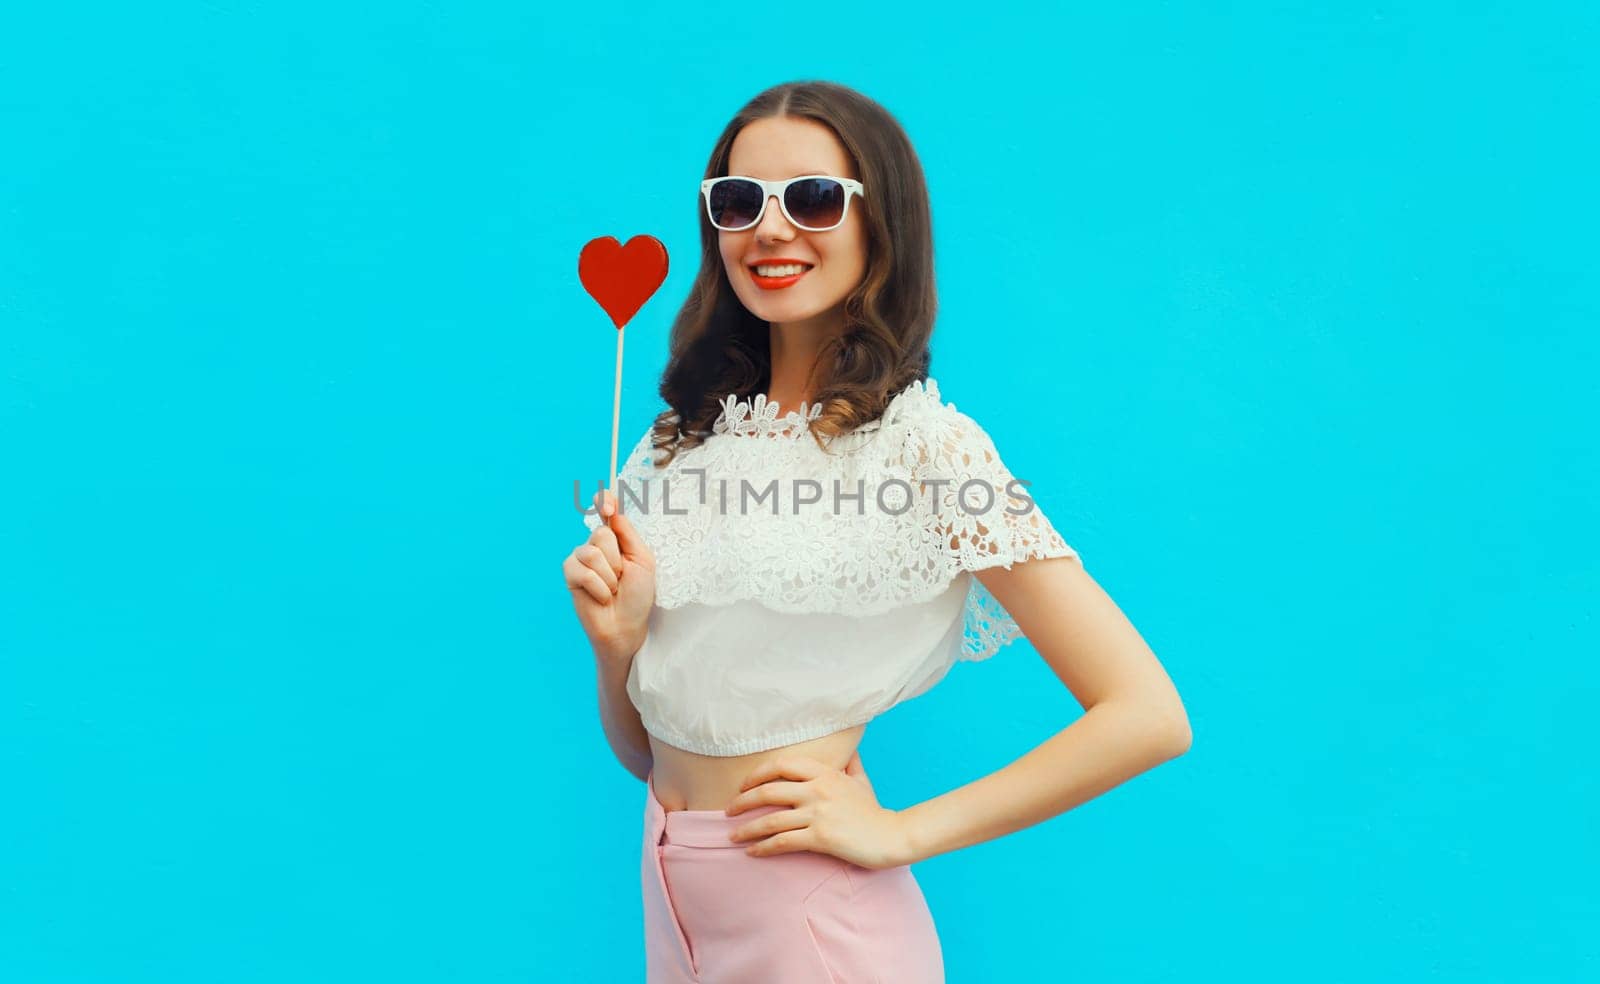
x: 761, y: 417
x: 987, y: 626
x: 758, y: 416
x: 792, y: 556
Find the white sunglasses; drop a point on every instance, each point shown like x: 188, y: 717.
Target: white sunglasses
x: 813, y: 202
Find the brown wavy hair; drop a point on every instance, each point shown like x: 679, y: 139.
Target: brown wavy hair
x: 717, y: 347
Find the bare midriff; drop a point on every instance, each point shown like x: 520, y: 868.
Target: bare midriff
x: 685, y: 780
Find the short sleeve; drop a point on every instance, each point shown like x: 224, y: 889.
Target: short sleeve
x: 983, y: 515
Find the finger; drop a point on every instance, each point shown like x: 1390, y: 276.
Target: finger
x: 772, y: 823
x: 769, y: 793
x: 802, y: 767
x: 629, y: 541
x: 605, y: 538
x: 594, y: 558
x: 605, y: 503
x: 787, y: 842
x: 581, y: 578
x: 597, y: 590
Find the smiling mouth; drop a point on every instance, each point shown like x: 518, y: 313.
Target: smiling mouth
x: 777, y: 271
x: 788, y: 274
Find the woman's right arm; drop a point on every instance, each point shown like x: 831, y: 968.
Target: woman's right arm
x: 624, y: 730
x: 612, y: 579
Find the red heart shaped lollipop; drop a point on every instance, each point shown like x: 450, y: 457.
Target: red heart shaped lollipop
x: 622, y: 277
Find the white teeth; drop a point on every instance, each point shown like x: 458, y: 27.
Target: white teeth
x: 788, y: 270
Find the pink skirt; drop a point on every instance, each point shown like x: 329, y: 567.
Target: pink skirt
x: 715, y: 915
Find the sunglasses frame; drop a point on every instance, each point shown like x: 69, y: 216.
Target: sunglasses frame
x: 780, y: 189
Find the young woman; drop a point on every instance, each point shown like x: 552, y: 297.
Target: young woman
x: 808, y: 536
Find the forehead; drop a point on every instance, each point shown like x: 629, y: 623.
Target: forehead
x: 784, y: 147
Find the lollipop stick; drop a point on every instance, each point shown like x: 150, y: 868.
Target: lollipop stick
x: 616, y: 414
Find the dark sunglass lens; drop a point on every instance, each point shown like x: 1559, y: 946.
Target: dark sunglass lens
x: 816, y: 202
x: 735, y: 204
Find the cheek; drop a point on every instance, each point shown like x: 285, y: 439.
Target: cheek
x: 851, y: 252
x: 731, y: 251
x: 850, y: 257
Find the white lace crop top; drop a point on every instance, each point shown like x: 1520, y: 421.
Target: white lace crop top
x: 801, y: 591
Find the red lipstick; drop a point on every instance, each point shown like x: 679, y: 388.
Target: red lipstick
x: 777, y: 283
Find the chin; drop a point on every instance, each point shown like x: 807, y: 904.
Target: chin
x: 779, y: 314
x: 771, y: 308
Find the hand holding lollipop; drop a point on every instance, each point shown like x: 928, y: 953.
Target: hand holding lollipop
x: 612, y: 573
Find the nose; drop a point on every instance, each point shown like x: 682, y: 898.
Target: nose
x: 774, y: 225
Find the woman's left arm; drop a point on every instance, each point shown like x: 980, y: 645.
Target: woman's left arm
x: 1133, y: 718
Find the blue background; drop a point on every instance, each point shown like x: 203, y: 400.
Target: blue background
x: 1287, y: 312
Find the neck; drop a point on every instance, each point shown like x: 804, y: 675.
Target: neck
x: 795, y: 346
